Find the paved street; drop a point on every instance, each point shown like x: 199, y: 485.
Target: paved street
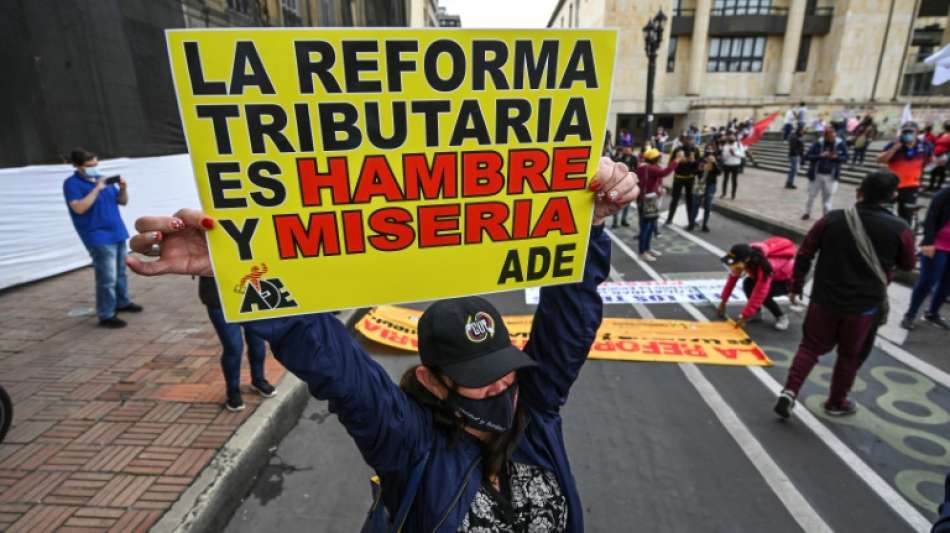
x: 661, y: 447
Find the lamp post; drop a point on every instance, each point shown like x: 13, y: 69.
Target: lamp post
x: 652, y: 37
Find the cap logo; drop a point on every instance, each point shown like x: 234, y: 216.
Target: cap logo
x: 480, y: 327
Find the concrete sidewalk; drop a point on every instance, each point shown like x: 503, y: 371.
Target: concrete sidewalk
x: 110, y: 427
x: 764, y: 201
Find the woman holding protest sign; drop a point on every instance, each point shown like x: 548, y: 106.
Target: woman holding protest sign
x: 471, y: 439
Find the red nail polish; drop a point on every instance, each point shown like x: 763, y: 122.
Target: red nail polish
x: 207, y: 223
x: 158, y: 236
x: 596, y: 185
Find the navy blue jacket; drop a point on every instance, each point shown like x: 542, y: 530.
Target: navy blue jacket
x: 820, y: 165
x: 393, y: 432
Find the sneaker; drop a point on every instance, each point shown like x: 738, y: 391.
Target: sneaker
x: 234, y: 403
x: 624, y: 223
x: 846, y: 408
x: 705, y: 229
x: 655, y: 253
x: 264, y: 388
x: 908, y: 323
x: 781, y: 323
x: 785, y: 404
x: 131, y: 308
x: 112, y: 323
x: 647, y: 257
x: 937, y: 320
x: 806, y: 216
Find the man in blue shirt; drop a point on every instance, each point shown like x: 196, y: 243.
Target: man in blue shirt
x: 94, y: 208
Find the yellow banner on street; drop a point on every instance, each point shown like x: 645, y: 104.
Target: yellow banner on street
x: 357, y: 167
x: 621, y: 339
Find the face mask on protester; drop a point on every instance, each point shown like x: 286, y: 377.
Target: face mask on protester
x: 92, y: 172
x: 907, y: 137
x: 495, y: 413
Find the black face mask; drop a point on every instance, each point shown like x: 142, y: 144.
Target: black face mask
x: 495, y: 413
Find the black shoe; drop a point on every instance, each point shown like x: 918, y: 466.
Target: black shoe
x: 846, y: 408
x: 806, y: 216
x: 613, y: 226
x: 112, y: 323
x: 937, y: 320
x: 624, y: 223
x: 131, y: 308
x: 908, y: 323
x: 691, y: 227
x: 785, y: 404
x: 264, y: 388
x: 705, y: 229
x: 790, y: 187
x: 234, y: 403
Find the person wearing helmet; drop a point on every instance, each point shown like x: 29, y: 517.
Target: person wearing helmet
x: 479, y: 416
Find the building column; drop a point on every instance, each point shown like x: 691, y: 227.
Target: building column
x: 793, y: 41
x: 697, y: 50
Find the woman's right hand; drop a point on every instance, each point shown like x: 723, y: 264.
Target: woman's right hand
x: 182, y: 248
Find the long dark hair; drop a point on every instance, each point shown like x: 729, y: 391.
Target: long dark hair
x: 757, y: 261
x: 495, y: 452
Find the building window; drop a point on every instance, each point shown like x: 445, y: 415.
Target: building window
x: 736, y: 54
x: 804, y: 50
x: 241, y: 6
x: 671, y: 55
x: 729, y: 8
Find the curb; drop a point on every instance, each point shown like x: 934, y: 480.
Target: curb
x: 211, y: 499
x: 790, y: 232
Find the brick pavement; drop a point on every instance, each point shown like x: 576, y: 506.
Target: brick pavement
x: 762, y: 195
x: 110, y: 426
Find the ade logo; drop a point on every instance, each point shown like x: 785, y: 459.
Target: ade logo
x: 263, y: 294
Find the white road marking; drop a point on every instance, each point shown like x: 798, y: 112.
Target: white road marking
x: 884, y: 490
x: 786, y: 491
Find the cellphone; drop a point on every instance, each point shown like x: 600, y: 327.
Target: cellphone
x: 112, y: 180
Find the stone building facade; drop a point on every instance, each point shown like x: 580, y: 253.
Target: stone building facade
x: 721, y: 59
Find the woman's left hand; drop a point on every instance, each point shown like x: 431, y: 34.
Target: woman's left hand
x: 614, y: 186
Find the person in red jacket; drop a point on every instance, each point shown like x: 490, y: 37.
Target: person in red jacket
x: 941, y: 149
x: 768, y: 267
x: 650, y: 175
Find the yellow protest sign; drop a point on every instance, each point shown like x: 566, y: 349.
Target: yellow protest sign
x: 620, y: 339
x: 356, y: 167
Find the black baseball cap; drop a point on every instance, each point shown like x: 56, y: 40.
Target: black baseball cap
x: 737, y: 254
x: 467, y: 340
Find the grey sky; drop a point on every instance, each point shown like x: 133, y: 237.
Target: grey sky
x: 501, y: 13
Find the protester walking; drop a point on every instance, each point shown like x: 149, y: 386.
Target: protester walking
x: 824, y: 169
x: 858, y: 251
x: 863, y: 135
x: 230, y: 333
x: 94, y: 201
x: 478, y: 418
x: 934, y: 265
x: 788, y: 125
x: 801, y: 116
x: 796, y: 150
x: 684, y: 178
x: 767, y: 267
x: 731, y: 157
x: 651, y: 175
x: 906, y: 157
x: 704, y: 190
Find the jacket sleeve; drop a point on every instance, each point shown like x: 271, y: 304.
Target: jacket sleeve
x: 814, y: 152
x: 908, y: 254
x: 937, y: 206
x: 806, y: 254
x: 564, y: 327
x: 388, y: 427
x: 729, y: 287
x: 661, y: 173
x: 763, y: 284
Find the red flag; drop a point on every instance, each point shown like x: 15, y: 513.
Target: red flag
x: 758, y: 129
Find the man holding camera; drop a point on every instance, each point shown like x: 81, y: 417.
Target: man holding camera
x: 94, y: 201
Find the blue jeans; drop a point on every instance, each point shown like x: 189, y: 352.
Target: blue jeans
x: 230, y: 336
x: 647, y: 227
x: 933, y: 271
x: 793, y: 162
x: 706, y: 202
x: 112, y: 287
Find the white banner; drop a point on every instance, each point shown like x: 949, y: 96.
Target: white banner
x: 657, y: 292
x: 37, y: 235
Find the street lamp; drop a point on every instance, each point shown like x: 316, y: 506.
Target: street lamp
x: 652, y: 37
